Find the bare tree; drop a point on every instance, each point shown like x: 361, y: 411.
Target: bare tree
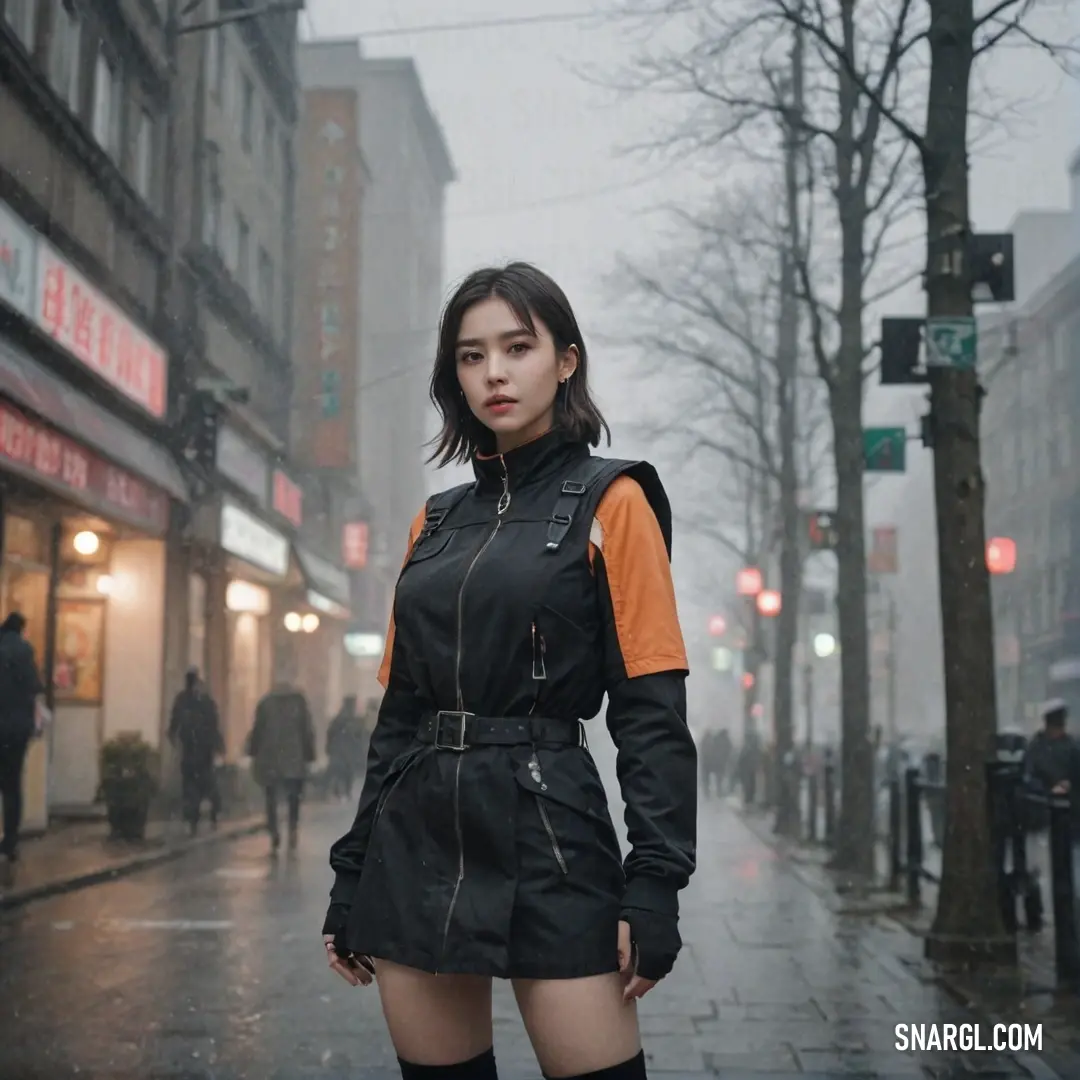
x: 723, y: 309
x: 952, y: 34
x: 861, y: 178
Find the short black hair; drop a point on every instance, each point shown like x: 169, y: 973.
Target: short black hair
x: 530, y: 294
x: 15, y: 623
x: 1055, y: 718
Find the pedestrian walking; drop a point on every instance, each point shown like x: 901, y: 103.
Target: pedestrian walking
x: 483, y: 846
x: 751, y: 759
x: 195, y: 730
x: 282, y: 747
x: 346, y: 745
x: 20, y: 687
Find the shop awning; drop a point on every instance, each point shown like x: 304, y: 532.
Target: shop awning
x: 323, y: 577
x: 35, y: 387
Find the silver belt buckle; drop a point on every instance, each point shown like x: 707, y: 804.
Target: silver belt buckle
x: 459, y: 745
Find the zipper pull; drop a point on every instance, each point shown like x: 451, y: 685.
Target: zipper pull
x: 504, y: 498
x: 534, y: 772
x: 539, y: 671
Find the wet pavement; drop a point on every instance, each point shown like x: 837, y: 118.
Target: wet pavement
x: 211, y: 966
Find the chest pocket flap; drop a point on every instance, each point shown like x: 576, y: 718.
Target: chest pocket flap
x: 427, y: 547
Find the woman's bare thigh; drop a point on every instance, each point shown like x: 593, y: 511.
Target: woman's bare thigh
x: 435, y: 1019
x: 578, y: 1025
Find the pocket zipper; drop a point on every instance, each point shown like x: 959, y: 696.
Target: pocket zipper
x: 534, y: 772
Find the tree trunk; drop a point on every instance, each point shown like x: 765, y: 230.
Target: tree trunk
x: 787, y: 800
x: 968, y: 924
x: 855, y: 831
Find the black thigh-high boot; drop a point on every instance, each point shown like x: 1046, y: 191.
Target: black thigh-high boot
x: 481, y: 1067
x: 634, y: 1069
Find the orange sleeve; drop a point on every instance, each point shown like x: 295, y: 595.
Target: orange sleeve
x: 639, y: 579
x: 388, y: 652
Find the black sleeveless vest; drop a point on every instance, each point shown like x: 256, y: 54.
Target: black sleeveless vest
x: 497, y: 610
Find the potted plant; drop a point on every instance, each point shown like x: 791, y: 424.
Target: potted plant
x: 129, y: 781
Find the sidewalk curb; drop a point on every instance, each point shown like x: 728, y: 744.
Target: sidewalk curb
x: 20, y: 897
x: 1036, y: 1066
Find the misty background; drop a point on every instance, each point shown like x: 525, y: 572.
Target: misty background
x: 554, y: 167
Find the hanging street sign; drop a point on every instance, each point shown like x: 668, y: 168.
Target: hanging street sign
x: 951, y: 343
x: 884, y: 449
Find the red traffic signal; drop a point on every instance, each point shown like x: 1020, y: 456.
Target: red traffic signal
x: 717, y: 625
x: 748, y: 680
x: 748, y: 581
x: 769, y: 602
x: 1001, y: 555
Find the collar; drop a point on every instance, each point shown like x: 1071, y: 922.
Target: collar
x: 533, y: 460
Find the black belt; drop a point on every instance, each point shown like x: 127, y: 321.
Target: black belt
x: 449, y: 730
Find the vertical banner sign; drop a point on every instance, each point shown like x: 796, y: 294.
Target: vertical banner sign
x: 354, y: 545
x: 883, y: 557
x: 330, y: 205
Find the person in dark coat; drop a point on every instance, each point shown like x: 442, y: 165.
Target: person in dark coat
x: 483, y: 845
x: 195, y: 729
x: 346, y: 745
x: 20, y: 686
x: 282, y: 747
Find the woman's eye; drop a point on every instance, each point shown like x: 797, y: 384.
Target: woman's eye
x: 469, y: 358
x: 518, y: 348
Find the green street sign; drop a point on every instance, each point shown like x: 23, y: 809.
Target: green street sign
x: 884, y: 449
x: 951, y: 343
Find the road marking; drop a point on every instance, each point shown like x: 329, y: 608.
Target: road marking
x: 245, y: 873
x: 168, y: 924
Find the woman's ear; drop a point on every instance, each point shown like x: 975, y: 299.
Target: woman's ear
x: 568, y: 363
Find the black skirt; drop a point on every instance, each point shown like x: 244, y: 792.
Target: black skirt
x: 498, y: 861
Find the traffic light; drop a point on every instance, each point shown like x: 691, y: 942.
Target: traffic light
x: 821, y: 530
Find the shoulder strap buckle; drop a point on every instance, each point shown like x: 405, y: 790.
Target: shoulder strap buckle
x: 570, y: 492
x: 573, y: 487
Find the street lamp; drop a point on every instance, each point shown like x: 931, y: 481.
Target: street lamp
x: 769, y: 602
x: 824, y: 645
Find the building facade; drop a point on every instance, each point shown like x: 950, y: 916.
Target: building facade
x: 1030, y: 355
x: 398, y: 172
x: 88, y: 487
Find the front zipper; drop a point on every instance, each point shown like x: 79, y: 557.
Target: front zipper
x: 500, y: 509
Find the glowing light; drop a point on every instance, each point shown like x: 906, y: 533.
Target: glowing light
x: 86, y: 542
x: 769, y: 602
x: 293, y: 622
x: 1001, y: 555
x: 748, y: 581
x: 309, y: 623
x: 824, y: 645
x: 717, y: 625
x: 242, y: 596
x: 104, y: 585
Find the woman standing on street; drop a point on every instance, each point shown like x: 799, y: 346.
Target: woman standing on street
x: 483, y: 846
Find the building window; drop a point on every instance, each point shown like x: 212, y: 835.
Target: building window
x: 21, y: 16
x: 213, y: 200
x: 266, y: 284
x: 144, y: 155
x: 247, y: 111
x: 269, y: 141
x: 243, y: 251
x: 64, y: 53
x: 106, y: 118
x: 214, y: 65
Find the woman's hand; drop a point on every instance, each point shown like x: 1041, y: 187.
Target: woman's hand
x: 354, y: 970
x: 636, y: 986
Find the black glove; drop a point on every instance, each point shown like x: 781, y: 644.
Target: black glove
x: 337, y: 918
x: 656, y: 941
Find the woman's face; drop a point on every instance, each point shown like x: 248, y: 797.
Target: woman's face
x: 509, y: 376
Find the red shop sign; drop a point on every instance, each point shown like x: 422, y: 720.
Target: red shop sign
x: 288, y: 499
x: 39, y: 453
x: 98, y: 334
x: 354, y: 545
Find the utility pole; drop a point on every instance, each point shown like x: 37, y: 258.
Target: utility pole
x: 787, y: 354
x: 968, y: 924
x: 891, y: 720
